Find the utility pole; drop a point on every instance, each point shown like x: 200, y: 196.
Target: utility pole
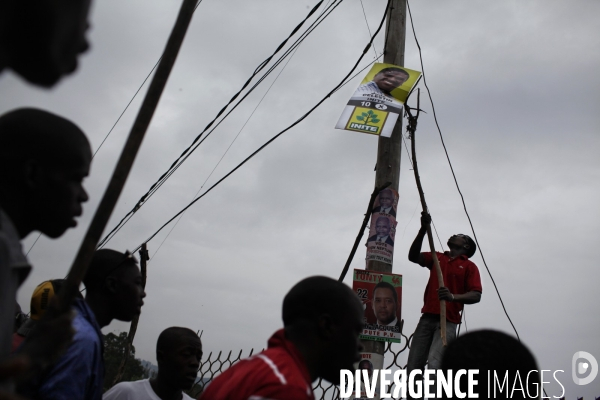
x: 388, y: 150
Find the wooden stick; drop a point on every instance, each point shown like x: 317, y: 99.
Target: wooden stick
x: 362, y: 228
x: 412, y: 128
x: 134, y: 323
x: 115, y: 186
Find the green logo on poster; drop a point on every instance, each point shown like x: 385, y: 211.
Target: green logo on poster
x: 367, y: 117
x: 365, y: 120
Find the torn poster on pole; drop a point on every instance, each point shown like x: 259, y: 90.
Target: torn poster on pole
x: 369, y: 362
x: 382, y: 232
x: 378, y: 102
x: 381, y: 295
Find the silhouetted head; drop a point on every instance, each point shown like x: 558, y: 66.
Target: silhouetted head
x: 327, y: 316
x: 115, y: 279
x: 178, y: 352
x: 43, y: 161
x: 498, y: 353
x: 41, y: 39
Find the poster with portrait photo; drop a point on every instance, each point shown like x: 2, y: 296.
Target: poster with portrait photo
x: 381, y: 296
x: 378, y: 101
x: 368, y: 362
x: 382, y: 233
x: 386, y: 202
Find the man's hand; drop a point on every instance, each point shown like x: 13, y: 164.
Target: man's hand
x: 414, y: 253
x: 444, y: 294
x: 50, y: 338
x: 425, y: 220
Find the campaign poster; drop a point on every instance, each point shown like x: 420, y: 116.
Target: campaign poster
x: 382, y: 232
x: 368, y: 362
x: 378, y: 102
x: 381, y: 296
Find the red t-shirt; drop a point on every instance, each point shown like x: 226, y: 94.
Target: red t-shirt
x: 278, y: 373
x: 460, y: 276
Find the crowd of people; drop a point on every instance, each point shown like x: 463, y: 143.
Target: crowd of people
x: 58, y: 354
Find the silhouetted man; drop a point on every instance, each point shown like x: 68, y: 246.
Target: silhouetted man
x: 40, y: 39
x: 114, y: 290
x: 385, y: 304
x: 178, y: 353
x: 463, y: 286
x: 322, y: 321
x: 500, y: 354
x: 43, y: 161
x: 383, y: 228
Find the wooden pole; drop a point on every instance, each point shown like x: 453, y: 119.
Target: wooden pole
x: 388, y: 149
x: 134, y: 323
x: 412, y: 129
x: 115, y: 186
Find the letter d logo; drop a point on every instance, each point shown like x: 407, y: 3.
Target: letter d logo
x: 582, y: 367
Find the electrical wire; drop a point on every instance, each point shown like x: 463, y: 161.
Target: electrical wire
x: 226, y: 151
x: 335, y: 89
x: 367, y: 23
x: 190, y: 149
x: 134, y: 96
x: 454, y: 175
x: 118, y: 119
x: 177, y: 164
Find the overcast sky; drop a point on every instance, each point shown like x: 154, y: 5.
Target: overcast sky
x: 515, y: 86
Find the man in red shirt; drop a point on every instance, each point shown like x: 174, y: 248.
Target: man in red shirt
x: 462, y: 285
x: 322, y: 321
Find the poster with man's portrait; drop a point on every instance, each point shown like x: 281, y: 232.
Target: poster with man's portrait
x: 386, y: 202
x: 369, y: 362
x: 382, y: 231
x: 378, y: 101
x: 381, y: 296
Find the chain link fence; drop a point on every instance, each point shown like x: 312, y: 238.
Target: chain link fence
x: 213, y: 365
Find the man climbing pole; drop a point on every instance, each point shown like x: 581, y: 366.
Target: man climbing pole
x: 462, y: 286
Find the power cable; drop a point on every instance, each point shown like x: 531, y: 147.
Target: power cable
x: 118, y: 119
x: 190, y: 149
x: 335, y: 89
x: 31, y: 248
x: 180, y: 214
x: 454, y: 175
x: 227, y: 150
x: 193, y: 147
x: 367, y: 23
x: 134, y: 96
